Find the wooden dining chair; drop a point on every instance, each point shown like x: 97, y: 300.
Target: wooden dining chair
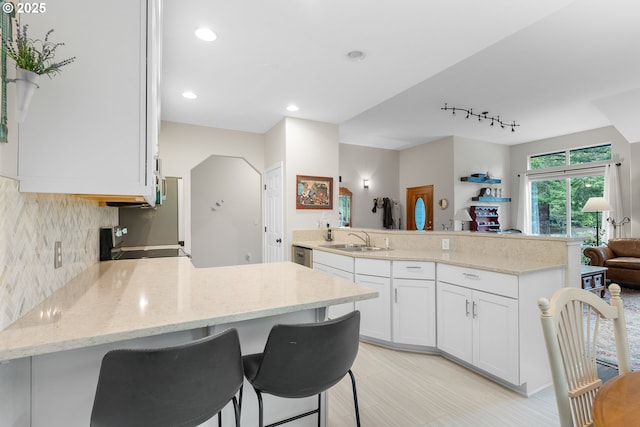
x: 570, y: 322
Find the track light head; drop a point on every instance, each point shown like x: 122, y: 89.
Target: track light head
x: 484, y: 115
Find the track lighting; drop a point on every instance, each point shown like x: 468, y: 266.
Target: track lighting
x: 484, y: 115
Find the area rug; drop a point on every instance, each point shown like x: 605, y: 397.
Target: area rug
x: 606, y: 348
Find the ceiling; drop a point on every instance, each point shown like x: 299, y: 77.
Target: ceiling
x: 553, y: 66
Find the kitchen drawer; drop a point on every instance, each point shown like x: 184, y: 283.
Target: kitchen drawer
x: 414, y: 270
x: 482, y: 280
x: 341, y: 262
x: 373, y: 267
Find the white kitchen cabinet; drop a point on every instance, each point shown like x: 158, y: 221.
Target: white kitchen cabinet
x: 454, y: 327
x: 414, y: 303
x: 495, y: 335
x: 503, y: 341
x: 339, y: 266
x: 477, y: 327
x: 375, y: 314
x: 93, y: 128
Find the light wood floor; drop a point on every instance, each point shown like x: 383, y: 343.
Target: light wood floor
x: 403, y: 389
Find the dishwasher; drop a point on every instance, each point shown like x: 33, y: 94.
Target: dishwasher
x: 301, y: 255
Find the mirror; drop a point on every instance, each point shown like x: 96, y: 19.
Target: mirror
x: 344, y: 207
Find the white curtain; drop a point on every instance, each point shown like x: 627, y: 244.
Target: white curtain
x: 613, y: 194
x: 523, y: 221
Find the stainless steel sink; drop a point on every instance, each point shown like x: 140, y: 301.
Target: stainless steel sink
x: 343, y: 246
x: 353, y: 247
x: 372, y: 249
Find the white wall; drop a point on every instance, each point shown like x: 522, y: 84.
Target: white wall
x: 634, y: 198
x: 226, y: 212
x: 473, y: 156
x: 430, y: 164
x: 312, y: 148
x: 275, y: 141
x: 381, y: 168
x: 183, y: 146
x: 619, y: 146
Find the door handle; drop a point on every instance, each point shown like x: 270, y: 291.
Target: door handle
x: 278, y: 240
x: 467, y: 308
x: 475, y: 310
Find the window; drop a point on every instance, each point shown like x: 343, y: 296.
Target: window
x: 560, y: 186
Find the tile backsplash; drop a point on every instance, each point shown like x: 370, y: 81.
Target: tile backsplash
x: 30, y: 224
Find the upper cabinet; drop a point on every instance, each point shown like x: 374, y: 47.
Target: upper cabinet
x: 93, y: 128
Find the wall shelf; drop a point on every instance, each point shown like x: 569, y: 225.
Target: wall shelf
x: 481, y: 180
x: 491, y: 199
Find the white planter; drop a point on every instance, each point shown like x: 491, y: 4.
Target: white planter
x: 27, y: 83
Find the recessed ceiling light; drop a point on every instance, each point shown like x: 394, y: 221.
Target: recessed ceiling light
x: 292, y: 108
x: 189, y: 95
x: 356, y: 55
x: 206, y: 34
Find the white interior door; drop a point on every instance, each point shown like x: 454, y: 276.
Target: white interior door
x: 273, y: 215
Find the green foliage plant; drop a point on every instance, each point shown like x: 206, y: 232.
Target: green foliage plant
x: 36, y: 55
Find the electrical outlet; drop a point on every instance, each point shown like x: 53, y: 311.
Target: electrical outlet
x: 445, y: 244
x: 57, y: 260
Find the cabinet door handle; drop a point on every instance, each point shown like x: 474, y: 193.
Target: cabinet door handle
x: 475, y: 309
x: 467, y: 308
x: 396, y: 294
x: 471, y: 276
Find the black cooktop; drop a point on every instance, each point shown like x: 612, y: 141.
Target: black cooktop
x: 152, y: 253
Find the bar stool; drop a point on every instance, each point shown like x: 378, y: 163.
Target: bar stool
x: 182, y: 385
x: 304, y: 360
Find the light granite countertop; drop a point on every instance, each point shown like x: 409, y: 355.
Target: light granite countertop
x: 479, y: 260
x: 125, y: 299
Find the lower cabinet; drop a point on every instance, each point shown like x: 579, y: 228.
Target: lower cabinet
x: 486, y: 319
x: 405, y: 310
x: 375, y: 314
x: 414, y: 303
x: 339, y: 266
x: 477, y: 327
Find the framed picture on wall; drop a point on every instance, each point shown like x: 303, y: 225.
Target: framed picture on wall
x: 314, y: 192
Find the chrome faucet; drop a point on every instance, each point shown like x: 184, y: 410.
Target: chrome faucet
x: 366, y: 241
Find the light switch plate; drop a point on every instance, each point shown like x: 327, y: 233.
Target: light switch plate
x: 445, y: 244
x: 57, y: 256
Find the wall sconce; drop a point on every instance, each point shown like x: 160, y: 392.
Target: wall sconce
x: 365, y: 183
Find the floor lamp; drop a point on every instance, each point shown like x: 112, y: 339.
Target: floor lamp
x: 597, y: 205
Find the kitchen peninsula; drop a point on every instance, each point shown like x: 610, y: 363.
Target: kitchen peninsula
x: 49, y: 359
x: 471, y: 297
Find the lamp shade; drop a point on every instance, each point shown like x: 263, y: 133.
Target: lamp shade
x: 597, y: 204
x: 462, y: 215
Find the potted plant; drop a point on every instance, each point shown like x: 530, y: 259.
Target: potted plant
x: 34, y: 58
